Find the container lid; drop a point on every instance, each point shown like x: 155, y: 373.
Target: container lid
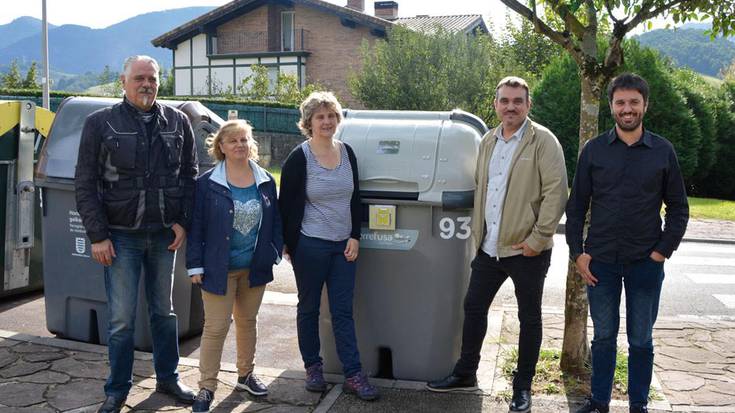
x: 58, y: 158
x: 424, y: 156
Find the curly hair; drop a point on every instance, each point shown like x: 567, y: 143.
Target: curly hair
x: 314, y: 102
x: 229, y: 128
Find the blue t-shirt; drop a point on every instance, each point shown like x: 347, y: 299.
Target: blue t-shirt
x: 248, y: 212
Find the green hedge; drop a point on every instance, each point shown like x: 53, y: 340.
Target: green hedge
x: 265, y: 116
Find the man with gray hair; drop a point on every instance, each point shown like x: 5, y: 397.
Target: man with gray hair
x: 134, y: 190
x: 520, y: 196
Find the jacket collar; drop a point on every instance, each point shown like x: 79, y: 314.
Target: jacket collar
x: 157, y: 107
x: 219, y: 174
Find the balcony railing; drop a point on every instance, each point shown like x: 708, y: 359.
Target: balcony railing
x: 255, y: 42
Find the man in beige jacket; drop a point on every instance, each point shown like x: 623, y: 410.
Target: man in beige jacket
x: 520, y: 197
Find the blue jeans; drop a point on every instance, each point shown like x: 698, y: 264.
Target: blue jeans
x: 642, y: 280
x: 136, y: 251
x: 315, y: 262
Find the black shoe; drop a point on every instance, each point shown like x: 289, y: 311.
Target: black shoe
x: 251, y: 384
x: 638, y: 409
x: 521, y: 401
x: 453, y: 383
x: 203, y: 401
x: 591, y: 406
x: 177, y: 389
x: 112, y: 404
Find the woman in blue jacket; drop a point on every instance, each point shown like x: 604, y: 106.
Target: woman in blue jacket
x: 235, y: 239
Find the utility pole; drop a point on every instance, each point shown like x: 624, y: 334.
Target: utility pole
x: 44, y: 52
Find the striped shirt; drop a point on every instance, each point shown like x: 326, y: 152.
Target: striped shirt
x: 328, y: 193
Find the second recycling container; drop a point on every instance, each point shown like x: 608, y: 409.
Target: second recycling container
x: 417, y: 186
x: 74, y: 286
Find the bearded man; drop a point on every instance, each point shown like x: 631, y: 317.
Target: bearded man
x: 623, y: 176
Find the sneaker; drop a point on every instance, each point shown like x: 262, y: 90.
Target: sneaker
x: 251, y: 384
x: 453, y: 383
x: 361, y: 387
x: 202, y: 401
x: 591, y: 406
x: 638, y: 409
x: 315, y: 378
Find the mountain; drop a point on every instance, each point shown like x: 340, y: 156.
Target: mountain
x: 20, y: 28
x: 79, y: 49
x: 691, y: 47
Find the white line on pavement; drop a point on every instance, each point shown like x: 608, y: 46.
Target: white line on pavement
x: 684, y: 250
x: 690, y: 260
x: 711, y: 278
x: 274, y: 297
x: 727, y: 299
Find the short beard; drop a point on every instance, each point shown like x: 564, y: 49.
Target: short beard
x: 628, y: 127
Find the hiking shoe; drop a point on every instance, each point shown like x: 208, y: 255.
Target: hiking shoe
x: 453, y: 383
x: 591, y: 406
x: 251, y: 384
x: 315, y: 378
x: 638, y: 409
x: 202, y: 401
x: 361, y: 387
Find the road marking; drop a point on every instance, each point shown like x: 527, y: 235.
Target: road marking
x: 703, y: 248
x: 727, y: 299
x: 274, y: 297
x: 712, y: 261
x: 711, y: 278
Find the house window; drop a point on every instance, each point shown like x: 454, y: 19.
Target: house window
x: 212, y: 44
x: 287, y: 31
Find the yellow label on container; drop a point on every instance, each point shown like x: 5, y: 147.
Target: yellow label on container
x: 382, y: 217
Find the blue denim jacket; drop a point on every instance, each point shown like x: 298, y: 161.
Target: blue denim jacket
x: 208, y: 243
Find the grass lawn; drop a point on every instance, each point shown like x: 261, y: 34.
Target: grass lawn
x: 550, y: 380
x: 712, y: 209
x: 276, y: 172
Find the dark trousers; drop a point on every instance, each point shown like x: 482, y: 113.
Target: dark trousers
x: 317, y: 262
x: 488, y: 274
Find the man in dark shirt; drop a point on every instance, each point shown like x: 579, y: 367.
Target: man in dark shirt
x: 623, y: 176
x: 134, y: 183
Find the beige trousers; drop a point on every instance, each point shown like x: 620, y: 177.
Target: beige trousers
x: 241, y: 301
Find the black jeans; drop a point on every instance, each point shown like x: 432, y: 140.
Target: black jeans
x: 488, y: 274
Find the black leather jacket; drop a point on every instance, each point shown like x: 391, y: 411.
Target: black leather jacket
x: 135, y: 176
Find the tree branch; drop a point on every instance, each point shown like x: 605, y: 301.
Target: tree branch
x: 610, y: 13
x: 541, y: 27
x: 646, y: 13
x: 570, y: 20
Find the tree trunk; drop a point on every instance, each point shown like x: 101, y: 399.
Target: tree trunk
x: 575, y: 350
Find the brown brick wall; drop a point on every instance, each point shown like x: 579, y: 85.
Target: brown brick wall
x: 255, y: 21
x: 335, y: 50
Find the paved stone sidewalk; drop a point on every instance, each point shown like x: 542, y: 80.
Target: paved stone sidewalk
x: 710, y: 230
x: 694, y: 361
x: 695, y: 371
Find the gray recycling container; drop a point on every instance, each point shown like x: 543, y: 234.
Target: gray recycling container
x: 417, y: 187
x: 76, y: 303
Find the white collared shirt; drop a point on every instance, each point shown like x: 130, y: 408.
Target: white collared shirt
x: 498, y: 170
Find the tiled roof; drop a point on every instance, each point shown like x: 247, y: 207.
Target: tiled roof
x: 461, y: 23
x: 195, y: 26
